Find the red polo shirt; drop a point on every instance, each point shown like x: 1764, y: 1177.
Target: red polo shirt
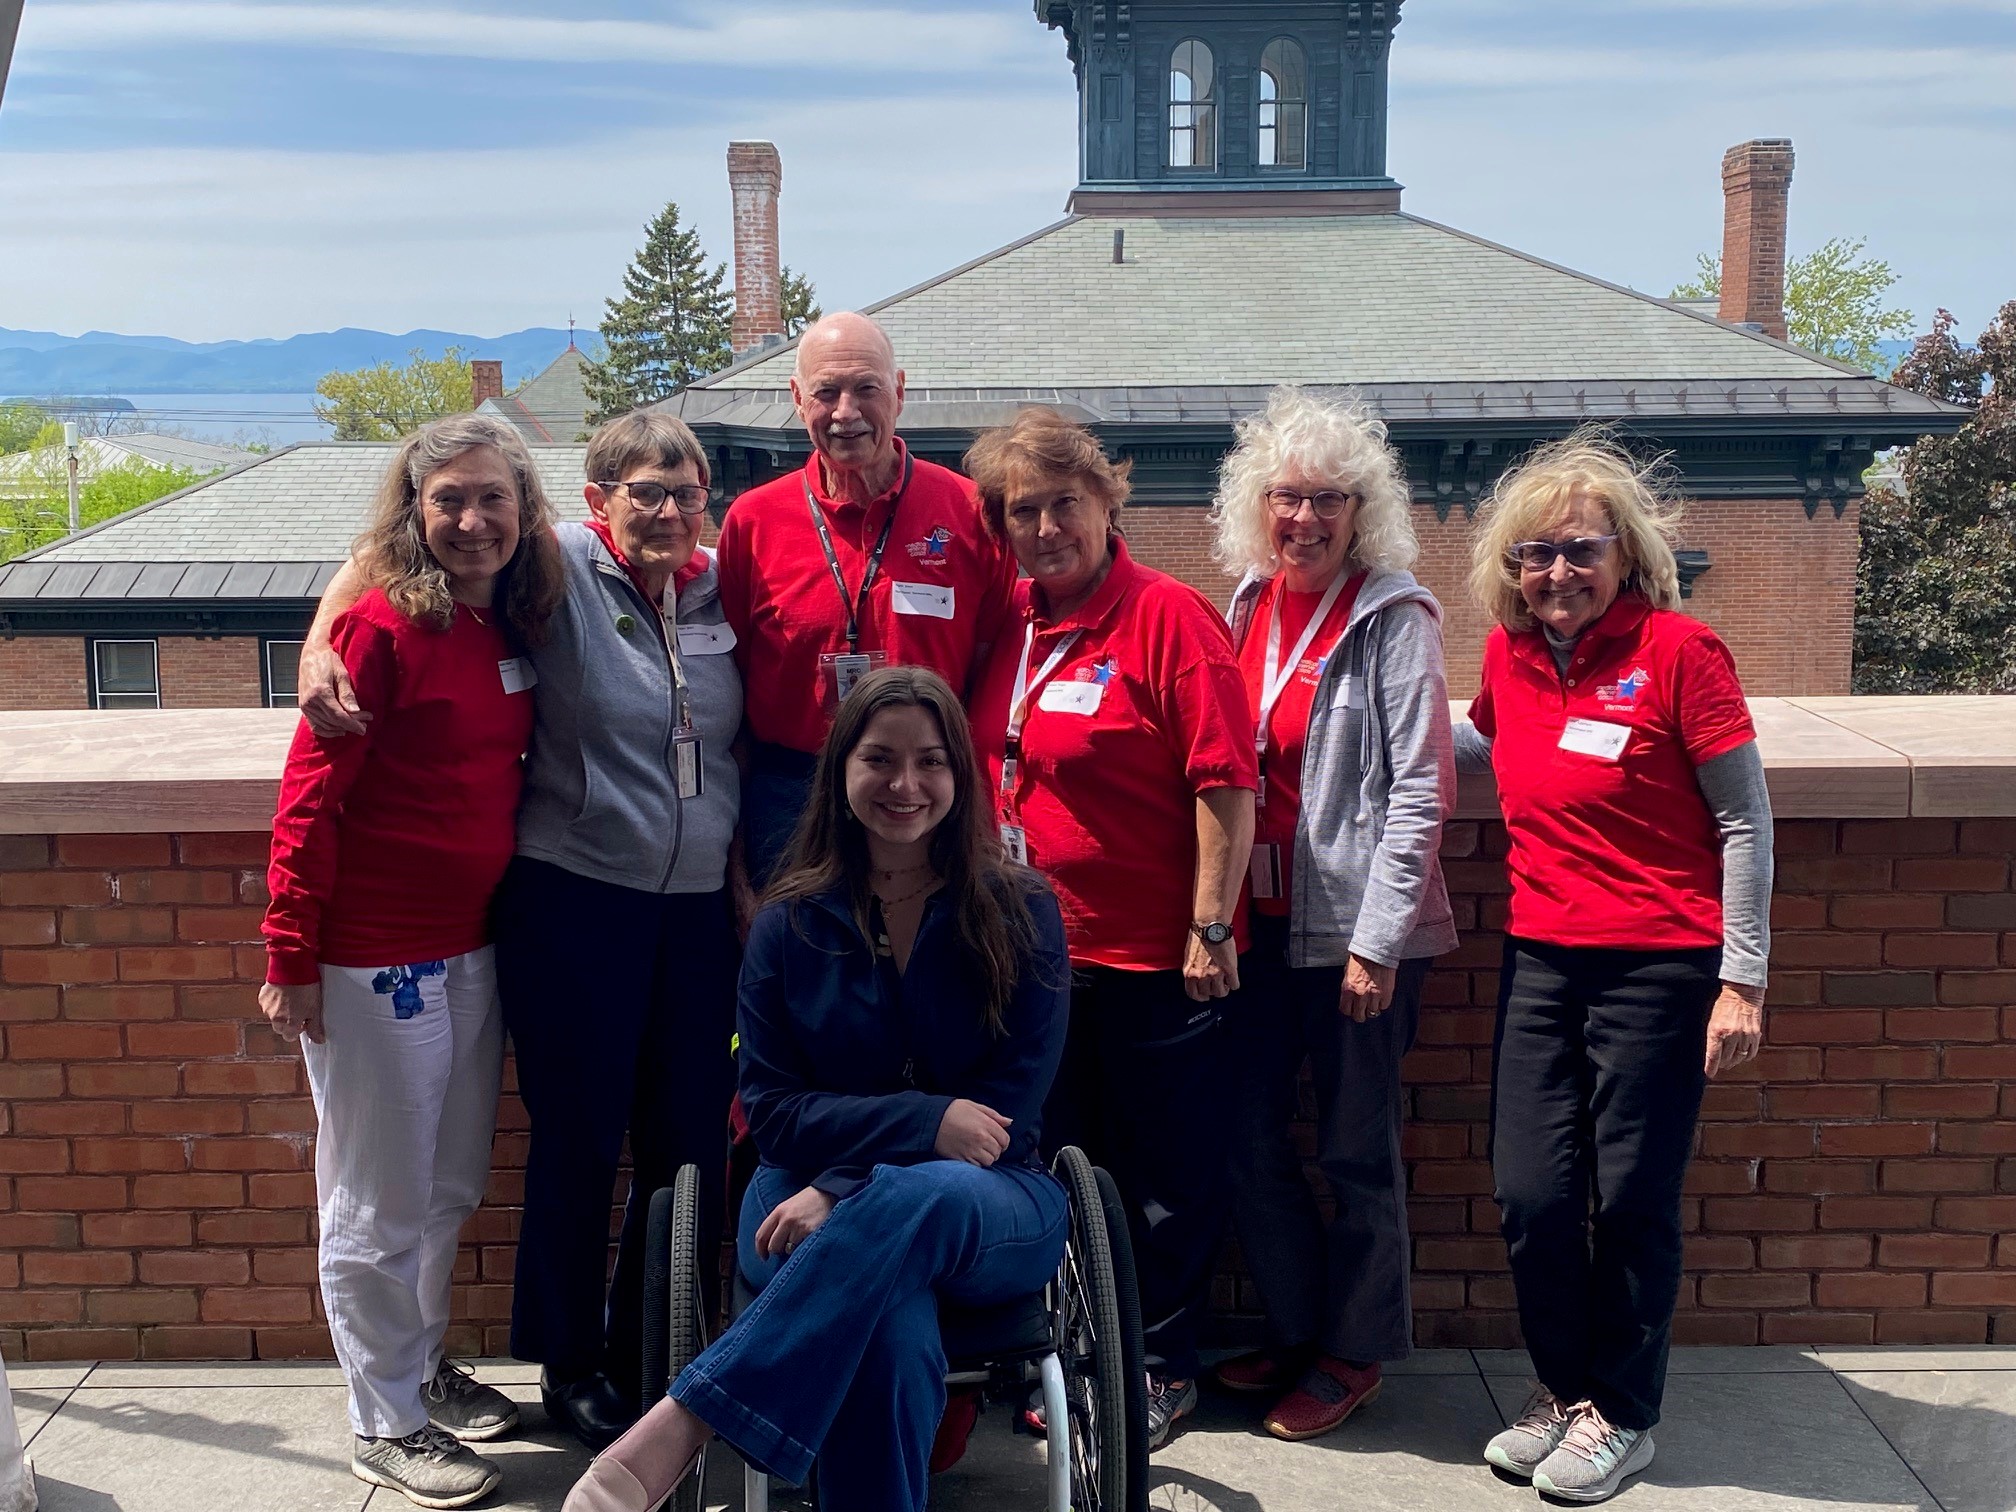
x: 1612, y: 843
x: 1288, y: 730
x: 1144, y: 712
x: 779, y: 595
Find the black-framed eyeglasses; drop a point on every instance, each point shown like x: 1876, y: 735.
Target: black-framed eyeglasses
x: 1328, y: 504
x: 1538, y: 556
x: 688, y: 498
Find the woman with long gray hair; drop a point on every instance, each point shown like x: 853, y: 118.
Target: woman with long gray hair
x: 387, y: 849
x: 1342, y: 654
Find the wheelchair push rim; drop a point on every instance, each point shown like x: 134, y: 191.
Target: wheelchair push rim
x: 1090, y: 1328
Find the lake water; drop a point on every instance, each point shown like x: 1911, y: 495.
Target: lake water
x: 275, y: 419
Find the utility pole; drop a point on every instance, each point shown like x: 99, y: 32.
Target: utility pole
x: 10, y: 26
x: 70, y: 461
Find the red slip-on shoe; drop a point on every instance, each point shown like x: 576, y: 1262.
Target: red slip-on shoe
x: 962, y: 1411
x: 1329, y: 1393
x: 1263, y: 1369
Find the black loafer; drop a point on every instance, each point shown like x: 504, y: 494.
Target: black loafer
x: 591, y: 1409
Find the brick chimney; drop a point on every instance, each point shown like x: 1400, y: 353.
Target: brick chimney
x: 1756, y: 184
x: 486, y: 381
x: 755, y: 175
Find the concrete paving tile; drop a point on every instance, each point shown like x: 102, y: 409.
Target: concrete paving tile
x: 48, y: 1377
x: 180, y: 1449
x: 34, y: 1406
x: 1957, y: 1429
x: 1763, y: 1443
x: 217, y: 1374
x: 1918, y: 1357
x: 1699, y: 1360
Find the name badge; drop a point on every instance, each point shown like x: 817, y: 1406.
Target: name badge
x: 687, y: 773
x: 1015, y: 841
x: 1071, y: 697
x: 1595, y: 737
x: 933, y: 600
x: 705, y: 640
x: 1263, y: 871
x: 517, y: 674
x: 1349, y: 693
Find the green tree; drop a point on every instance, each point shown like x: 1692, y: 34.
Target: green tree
x: 19, y: 424
x: 798, y: 303
x: 669, y: 326
x: 1833, y: 301
x: 1935, y: 588
x: 383, y: 402
x: 35, y: 508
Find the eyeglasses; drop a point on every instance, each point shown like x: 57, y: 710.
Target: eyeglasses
x: 1538, y: 556
x: 690, y: 498
x: 1328, y: 504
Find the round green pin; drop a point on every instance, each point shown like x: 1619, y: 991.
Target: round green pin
x: 625, y: 625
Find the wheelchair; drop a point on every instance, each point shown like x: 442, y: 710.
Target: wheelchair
x: 1079, y: 1340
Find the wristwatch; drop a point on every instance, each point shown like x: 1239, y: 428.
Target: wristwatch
x: 1215, y: 933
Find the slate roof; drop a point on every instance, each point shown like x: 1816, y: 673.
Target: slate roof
x: 1255, y: 301
x: 553, y: 407
x: 276, y: 528
x: 95, y: 454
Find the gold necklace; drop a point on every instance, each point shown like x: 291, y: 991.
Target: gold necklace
x: 889, y: 903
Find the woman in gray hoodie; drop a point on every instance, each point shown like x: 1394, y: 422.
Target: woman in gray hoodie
x: 1342, y: 652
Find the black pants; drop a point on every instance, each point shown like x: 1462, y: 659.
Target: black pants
x: 621, y: 1007
x: 1341, y: 1287
x: 1144, y: 1090
x: 1595, y: 1091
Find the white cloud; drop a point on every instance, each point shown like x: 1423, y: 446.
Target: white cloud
x: 860, y: 37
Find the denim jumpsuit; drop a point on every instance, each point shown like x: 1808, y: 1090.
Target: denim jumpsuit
x: 847, y: 1067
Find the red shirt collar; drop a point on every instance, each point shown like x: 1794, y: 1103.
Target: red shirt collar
x: 697, y: 564
x: 1099, y: 608
x: 815, y: 475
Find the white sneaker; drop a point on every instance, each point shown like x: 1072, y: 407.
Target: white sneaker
x: 430, y: 1468
x: 1538, y: 1433
x: 460, y: 1404
x: 1595, y: 1458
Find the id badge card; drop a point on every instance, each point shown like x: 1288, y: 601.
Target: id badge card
x: 840, y: 671
x: 1015, y: 841
x: 1264, y: 871
x: 686, y: 769
x: 517, y: 675
x: 1595, y: 737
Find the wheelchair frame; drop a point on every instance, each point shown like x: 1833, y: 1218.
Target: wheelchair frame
x: 1090, y: 1368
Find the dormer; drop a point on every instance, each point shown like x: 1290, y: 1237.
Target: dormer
x: 1230, y: 107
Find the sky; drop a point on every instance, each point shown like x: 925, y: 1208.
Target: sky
x: 216, y: 169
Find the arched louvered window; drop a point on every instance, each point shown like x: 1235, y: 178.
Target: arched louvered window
x: 1193, y: 107
x: 1284, y: 105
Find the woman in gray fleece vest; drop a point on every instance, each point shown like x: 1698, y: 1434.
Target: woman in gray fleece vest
x: 1342, y: 653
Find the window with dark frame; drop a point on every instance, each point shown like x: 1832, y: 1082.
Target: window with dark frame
x: 1193, y: 107
x: 283, y: 672
x: 1284, y: 105
x: 125, y: 674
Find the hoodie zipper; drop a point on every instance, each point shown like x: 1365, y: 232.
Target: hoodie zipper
x: 666, y: 628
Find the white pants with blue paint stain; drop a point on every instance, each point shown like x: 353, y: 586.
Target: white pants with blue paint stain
x: 405, y: 1086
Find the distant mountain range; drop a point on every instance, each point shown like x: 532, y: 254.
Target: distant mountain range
x: 102, y: 362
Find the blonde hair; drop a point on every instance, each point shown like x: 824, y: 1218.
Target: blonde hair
x: 1040, y: 445
x: 392, y: 552
x: 1639, y: 497
x: 1333, y: 439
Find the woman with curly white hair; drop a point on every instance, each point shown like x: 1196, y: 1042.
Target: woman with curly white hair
x: 1342, y: 654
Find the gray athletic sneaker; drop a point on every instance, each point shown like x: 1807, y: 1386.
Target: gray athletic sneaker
x: 464, y: 1406
x: 1538, y: 1433
x: 429, y: 1468
x: 1594, y: 1459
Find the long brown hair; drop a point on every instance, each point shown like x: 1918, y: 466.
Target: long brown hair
x: 989, y: 893
x: 392, y: 552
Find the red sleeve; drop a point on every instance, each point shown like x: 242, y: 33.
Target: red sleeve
x: 1482, y: 715
x: 1209, y: 715
x: 1714, y: 719
x: 306, y: 830
x: 731, y: 567
x: 997, y: 601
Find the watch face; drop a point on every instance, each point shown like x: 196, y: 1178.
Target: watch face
x: 1217, y: 934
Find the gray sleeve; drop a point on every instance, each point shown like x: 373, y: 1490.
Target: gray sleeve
x: 1473, y: 751
x: 1733, y: 784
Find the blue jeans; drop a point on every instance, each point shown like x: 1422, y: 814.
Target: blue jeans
x: 839, y: 1358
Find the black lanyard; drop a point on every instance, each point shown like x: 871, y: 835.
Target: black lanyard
x: 857, y: 604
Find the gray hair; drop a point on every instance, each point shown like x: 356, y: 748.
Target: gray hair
x: 1332, y: 439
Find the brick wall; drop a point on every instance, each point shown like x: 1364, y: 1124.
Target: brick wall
x: 43, y: 672
x: 1780, y: 587
x: 1856, y: 1184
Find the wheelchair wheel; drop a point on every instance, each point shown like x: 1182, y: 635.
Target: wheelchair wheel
x: 1091, y: 1334
x: 675, y: 1322
x: 1133, y: 1355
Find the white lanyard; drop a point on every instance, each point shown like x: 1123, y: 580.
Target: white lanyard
x: 1018, y: 702
x: 1275, y: 679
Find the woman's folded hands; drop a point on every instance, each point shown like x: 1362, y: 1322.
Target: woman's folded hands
x: 972, y: 1132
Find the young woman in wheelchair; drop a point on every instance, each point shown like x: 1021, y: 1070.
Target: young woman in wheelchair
x: 902, y: 1012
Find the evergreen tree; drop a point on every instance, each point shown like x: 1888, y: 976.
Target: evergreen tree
x: 798, y: 304
x: 669, y: 327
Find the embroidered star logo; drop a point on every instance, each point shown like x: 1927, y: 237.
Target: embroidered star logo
x: 1628, y: 687
x: 1104, y: 671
